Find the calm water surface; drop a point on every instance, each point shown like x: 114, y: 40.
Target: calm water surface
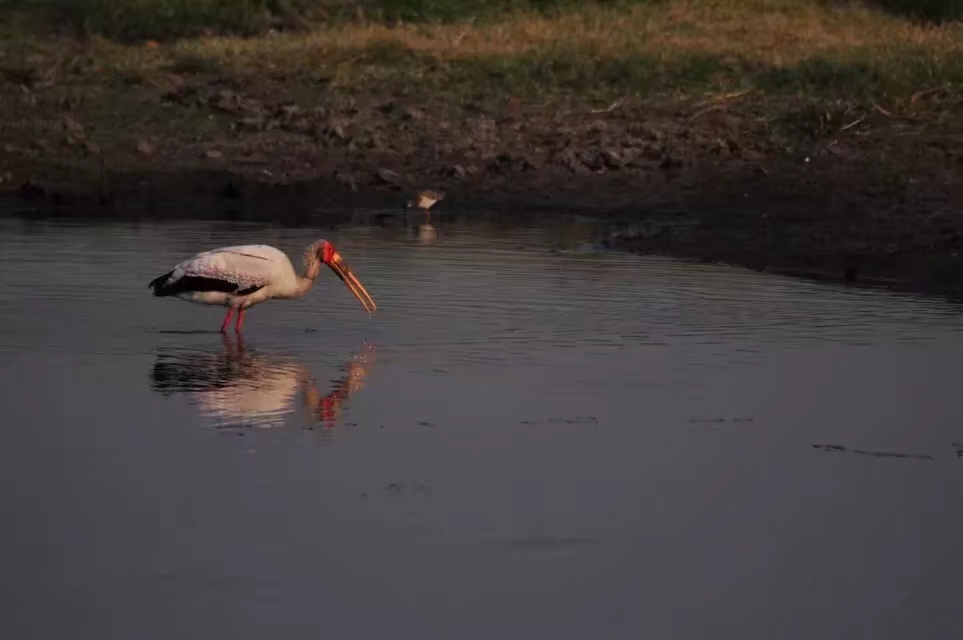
x: 531, y: 439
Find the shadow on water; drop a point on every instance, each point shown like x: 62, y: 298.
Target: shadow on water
x: 237, y: 386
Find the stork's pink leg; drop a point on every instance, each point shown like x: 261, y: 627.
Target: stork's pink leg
x: 240, y: 320
x: 227, y: 319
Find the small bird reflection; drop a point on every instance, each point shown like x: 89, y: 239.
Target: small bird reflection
x: 427, y: 233
x: 237, y: 387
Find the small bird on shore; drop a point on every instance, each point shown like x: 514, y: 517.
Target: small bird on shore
x: 425, y: 200
x: 240, y: 277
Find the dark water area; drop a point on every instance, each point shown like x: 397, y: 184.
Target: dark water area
x: 532, y: 438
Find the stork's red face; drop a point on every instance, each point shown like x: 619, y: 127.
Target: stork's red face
x: 331, y: 257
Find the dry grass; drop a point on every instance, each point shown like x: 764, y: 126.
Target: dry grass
x: 779, y: 44
x: 760, y: 31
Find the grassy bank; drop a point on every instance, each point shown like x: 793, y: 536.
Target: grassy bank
x: 523, y: 88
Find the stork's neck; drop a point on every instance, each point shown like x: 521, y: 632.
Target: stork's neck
x: 303, y: 283
x: 302, y: 286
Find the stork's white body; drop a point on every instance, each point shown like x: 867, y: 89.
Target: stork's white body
x: 262, y: 270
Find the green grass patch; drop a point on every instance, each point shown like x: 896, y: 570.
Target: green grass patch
x: 569, y: 71
x: 928, y: 10
x: 171, y: 19
x: 165, y: 20
x: 549, y: 74
x: 451, y: 10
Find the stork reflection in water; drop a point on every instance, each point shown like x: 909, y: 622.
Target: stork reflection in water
x: 237, y: 386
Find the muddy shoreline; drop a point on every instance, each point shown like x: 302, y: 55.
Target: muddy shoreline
x: 819, y: 219
x: 835, y: 190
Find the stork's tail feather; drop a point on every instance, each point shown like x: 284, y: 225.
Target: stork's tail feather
x: 157, y: 284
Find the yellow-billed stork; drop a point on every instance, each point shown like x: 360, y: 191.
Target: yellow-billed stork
x: 240, y: 277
